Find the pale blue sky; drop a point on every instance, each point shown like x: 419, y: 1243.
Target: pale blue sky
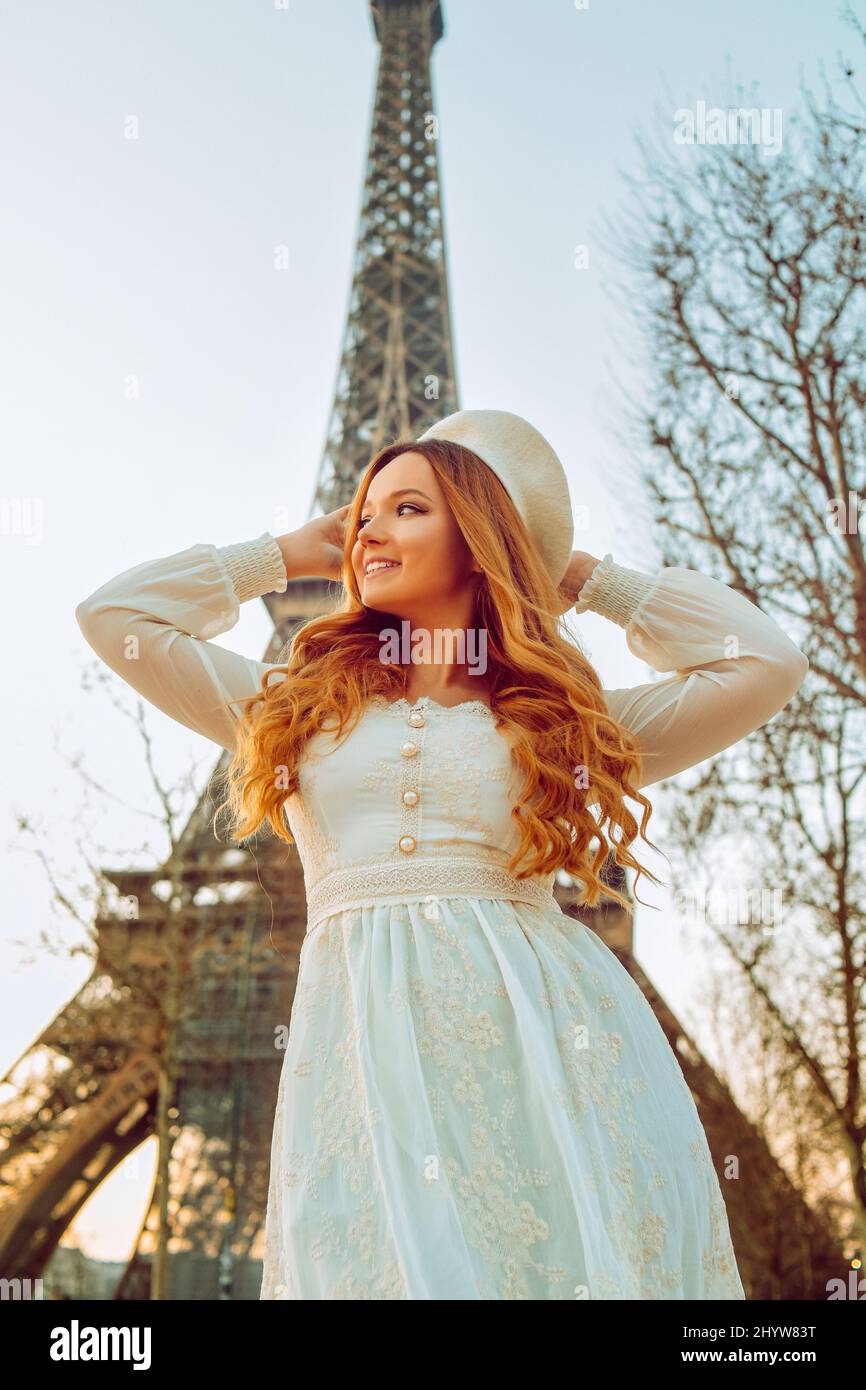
x: 153, y: 259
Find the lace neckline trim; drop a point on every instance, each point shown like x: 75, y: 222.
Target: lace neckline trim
x: 467, y: 706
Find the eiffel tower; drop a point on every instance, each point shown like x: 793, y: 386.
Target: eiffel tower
x: 85, y: 1091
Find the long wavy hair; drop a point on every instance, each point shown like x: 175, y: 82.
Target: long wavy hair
x: 578, y: 763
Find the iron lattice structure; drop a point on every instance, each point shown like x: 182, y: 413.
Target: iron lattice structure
x: 396, y: 374
x: 84, y: 1094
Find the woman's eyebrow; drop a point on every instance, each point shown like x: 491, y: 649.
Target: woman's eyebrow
x: 399, y: 493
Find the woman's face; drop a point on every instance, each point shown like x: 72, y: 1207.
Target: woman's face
x: 405, y: 519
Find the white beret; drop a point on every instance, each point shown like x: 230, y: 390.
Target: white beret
x: 527, y: 467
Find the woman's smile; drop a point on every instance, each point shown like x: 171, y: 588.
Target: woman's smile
x: 380, y: 567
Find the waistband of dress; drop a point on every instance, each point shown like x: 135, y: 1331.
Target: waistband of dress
x: 415, y: 880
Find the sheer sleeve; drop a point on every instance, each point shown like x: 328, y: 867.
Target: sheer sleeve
x: 734, y: 666
x: 150, y: 625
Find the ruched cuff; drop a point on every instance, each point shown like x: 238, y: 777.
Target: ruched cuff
x: 614, y: 591
x: 256, y: 567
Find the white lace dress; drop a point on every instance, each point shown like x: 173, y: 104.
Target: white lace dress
x: 476, y: 1100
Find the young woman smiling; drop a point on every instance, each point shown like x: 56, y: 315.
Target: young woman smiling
x: 476, y: 1100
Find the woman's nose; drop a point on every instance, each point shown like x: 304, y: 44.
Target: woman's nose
x: 372, y: 535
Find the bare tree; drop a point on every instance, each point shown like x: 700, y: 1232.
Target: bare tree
x: 749, y: 269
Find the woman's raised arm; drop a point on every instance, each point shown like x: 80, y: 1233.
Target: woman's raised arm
x: 734, y: 666
x: 151, y: 625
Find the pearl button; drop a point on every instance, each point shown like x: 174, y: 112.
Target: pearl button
x: 407, y: 843
x: 409, y: 750
x: 416, y: 718
x: 410, y: 797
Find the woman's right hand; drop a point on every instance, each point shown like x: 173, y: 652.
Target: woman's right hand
x: 315, y: 550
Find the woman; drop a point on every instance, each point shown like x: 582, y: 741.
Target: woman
x: 476, y: 1100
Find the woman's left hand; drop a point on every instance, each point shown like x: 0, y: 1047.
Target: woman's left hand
x: 580, y: 567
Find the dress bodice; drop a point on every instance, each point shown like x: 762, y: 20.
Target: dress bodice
x: 415, y: 800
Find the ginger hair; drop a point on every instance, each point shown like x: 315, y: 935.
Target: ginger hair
x: 545, y: 693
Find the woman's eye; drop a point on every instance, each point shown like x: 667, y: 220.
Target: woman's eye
x: 399, y: 510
